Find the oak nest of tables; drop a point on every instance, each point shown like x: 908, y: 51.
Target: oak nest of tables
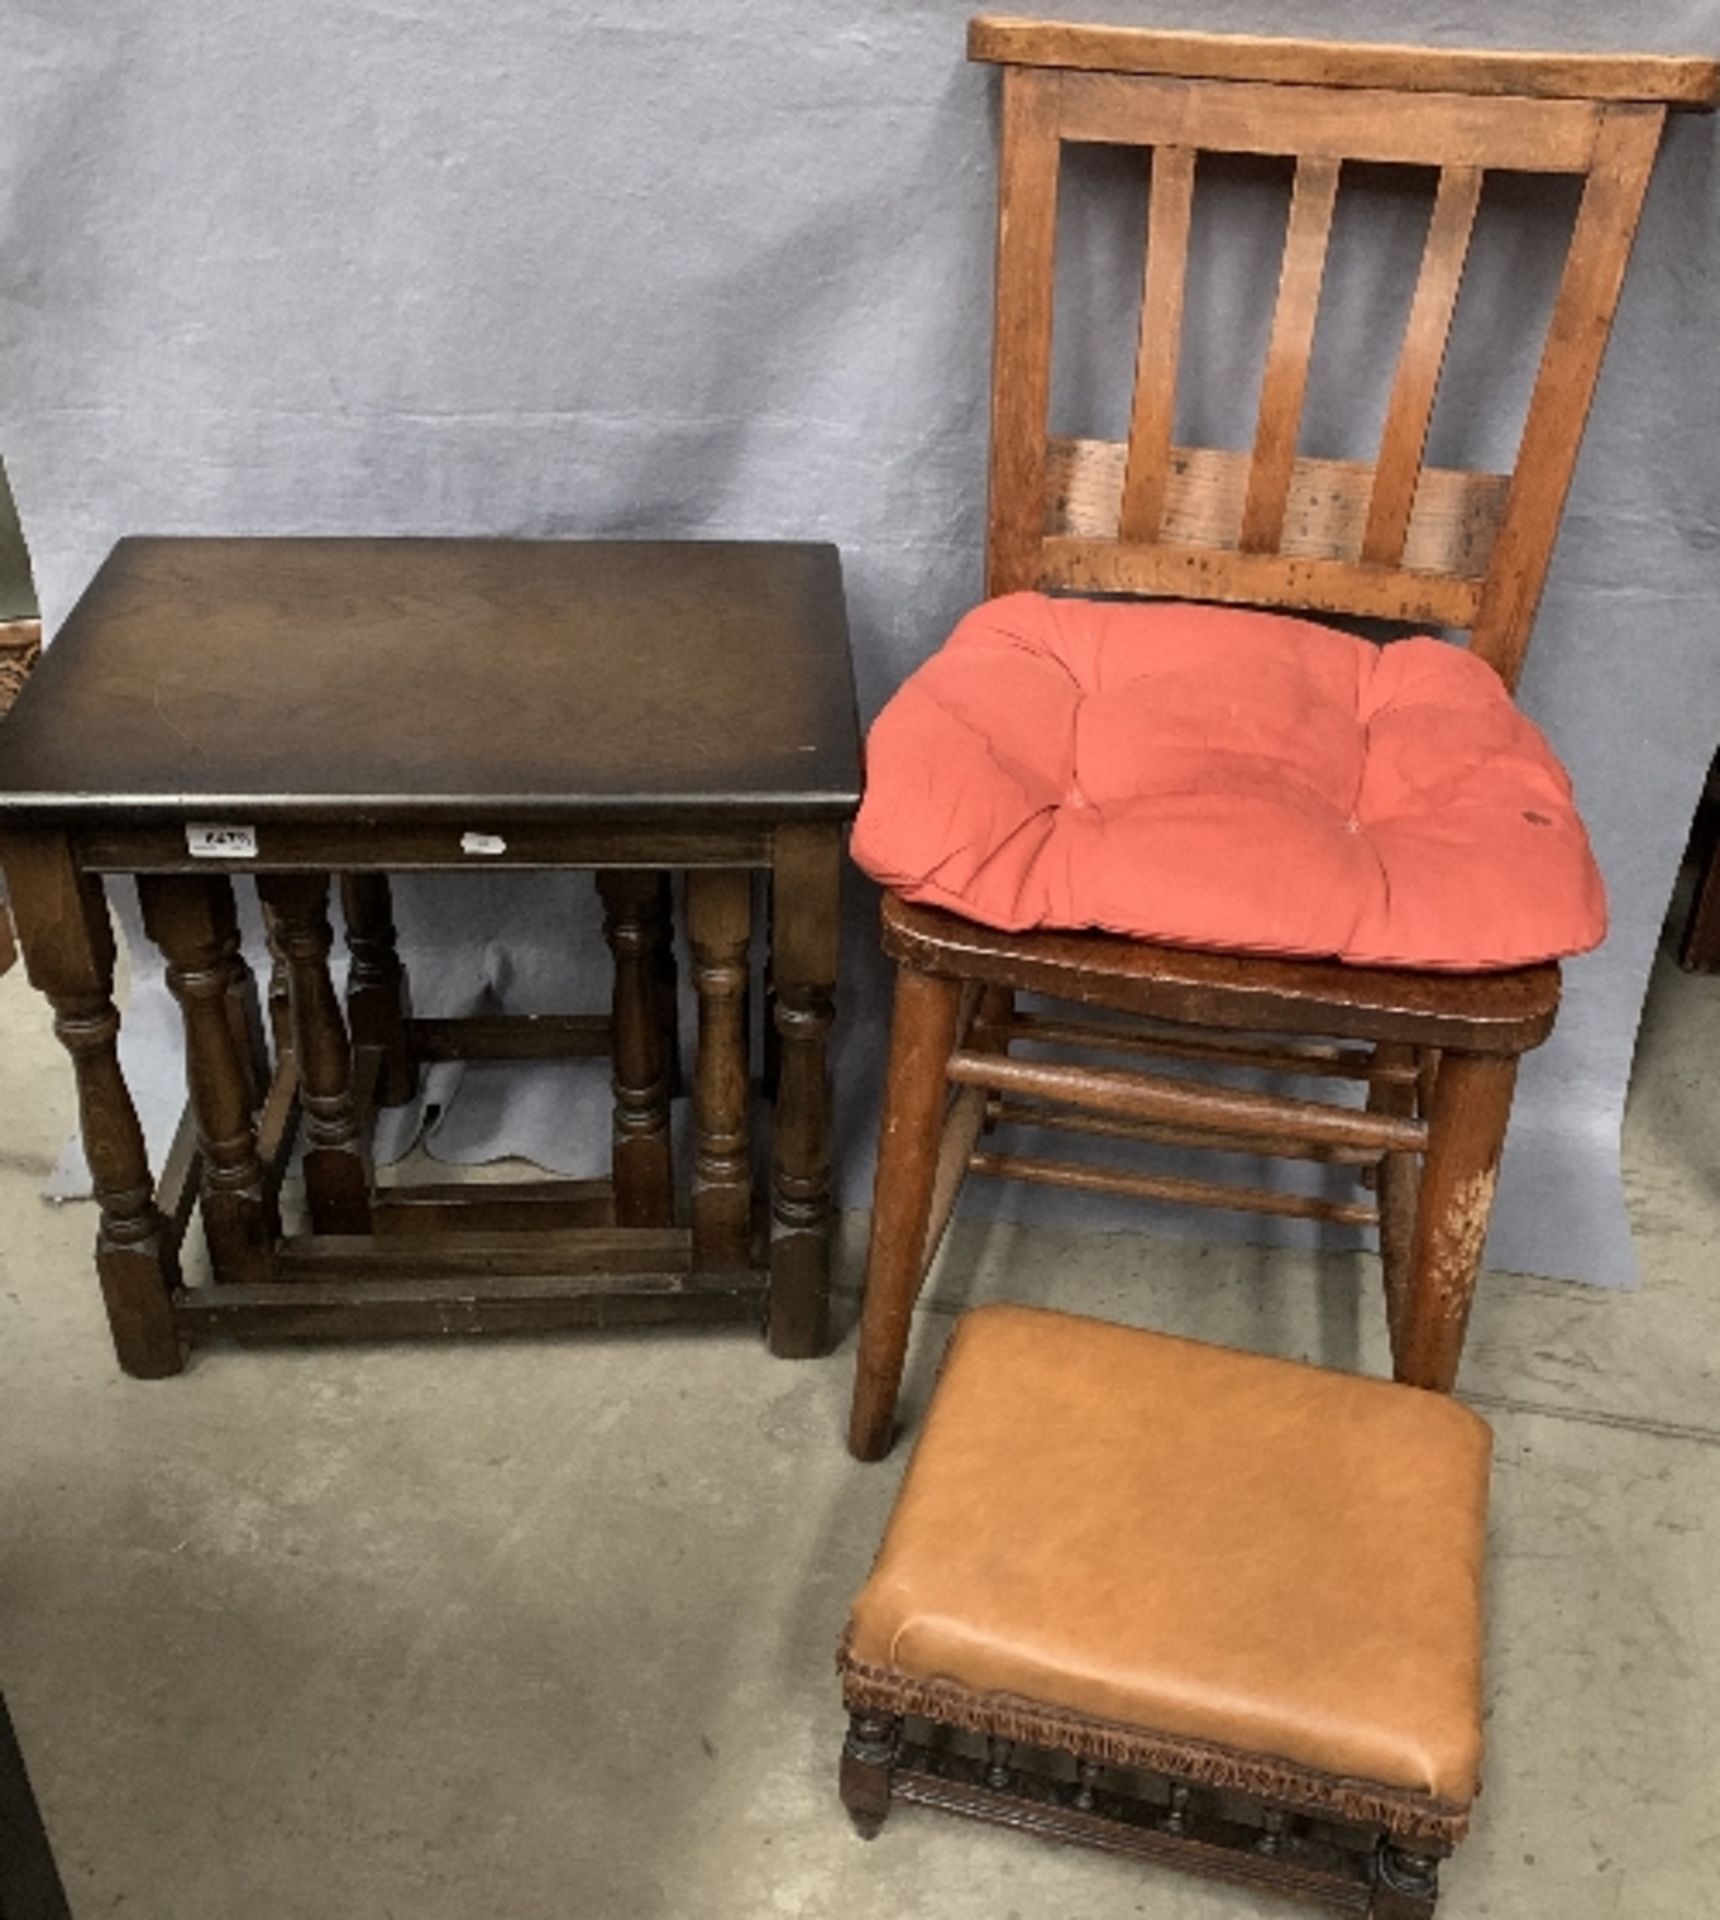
x: 296, y: 709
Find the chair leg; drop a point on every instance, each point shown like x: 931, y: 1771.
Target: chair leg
x: 1398, y: 1181
x: 1466, y: 1132
x: 983, y: 1029
x: 922, y: 1034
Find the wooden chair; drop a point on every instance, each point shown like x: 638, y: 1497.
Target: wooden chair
x: 1396, y: 540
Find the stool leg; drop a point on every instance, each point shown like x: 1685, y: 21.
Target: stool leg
x: 190, y: 918
x: 376, y: 1004
x: 719, y: 927
x: 633, y: 926
x: 1406, y: 1884
x: 337, y: 1159
x: 67, y: 940
x: 1466, y: 1133
x: 922, y: 1033
x: 868, y: 1753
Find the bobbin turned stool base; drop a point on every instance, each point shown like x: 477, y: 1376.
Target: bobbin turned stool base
x: 1194, y: 1606
x: 1060, y: 1793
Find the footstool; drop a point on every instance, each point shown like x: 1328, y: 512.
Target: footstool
x: 1184, y: 1603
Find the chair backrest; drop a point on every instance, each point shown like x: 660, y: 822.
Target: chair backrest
x: 1396, y: 539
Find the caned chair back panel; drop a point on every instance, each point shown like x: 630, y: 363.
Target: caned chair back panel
x: 1396, y: 538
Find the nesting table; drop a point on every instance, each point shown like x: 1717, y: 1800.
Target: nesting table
x: 301, y: 709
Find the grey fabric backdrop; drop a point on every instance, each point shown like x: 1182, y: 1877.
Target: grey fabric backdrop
x: 425, y: 266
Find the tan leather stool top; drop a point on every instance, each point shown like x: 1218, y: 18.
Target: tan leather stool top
x: 1215, y: 1546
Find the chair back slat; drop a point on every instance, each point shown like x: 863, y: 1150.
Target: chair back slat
x: 1570, y: 364
x: 1153, y: 416
x: 1410, y: 408
x: 1393, y: 539
x: 1312, y: 199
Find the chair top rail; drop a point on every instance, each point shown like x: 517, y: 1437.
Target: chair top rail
x: 1684, y: 82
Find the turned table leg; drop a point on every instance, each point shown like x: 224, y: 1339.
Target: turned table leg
x: 244, y: 1004
x: 1465, y: 1135
x: 806, y: 871
x: 190, y: 918
x: 376, y: 1002
x: 770, y: 1064
x: 63, y: 928
x: 634, y: 927
x: 719, y: 929
x: 278, y: 999
x: 337, y: 1159
x: 669, y: 985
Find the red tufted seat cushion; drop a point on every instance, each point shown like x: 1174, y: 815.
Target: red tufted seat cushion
x: 1219, y: 778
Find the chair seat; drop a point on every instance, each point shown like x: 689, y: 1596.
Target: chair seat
x: 1246, y: 1553
x: 1487, y: 1012
x: 1219, y: 778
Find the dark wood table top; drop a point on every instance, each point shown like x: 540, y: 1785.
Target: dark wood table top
x: 393, y: 678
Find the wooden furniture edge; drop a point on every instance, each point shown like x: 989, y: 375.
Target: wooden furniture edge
x: 20, y: 644
x: 30, y: 1883
x: 1685, y: 82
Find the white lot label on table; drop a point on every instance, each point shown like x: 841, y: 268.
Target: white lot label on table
x: 221, y: 843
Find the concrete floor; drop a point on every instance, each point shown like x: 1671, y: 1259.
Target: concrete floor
x: 545, y: 1628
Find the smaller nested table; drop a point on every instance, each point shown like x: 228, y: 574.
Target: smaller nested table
x: 296, y: 709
